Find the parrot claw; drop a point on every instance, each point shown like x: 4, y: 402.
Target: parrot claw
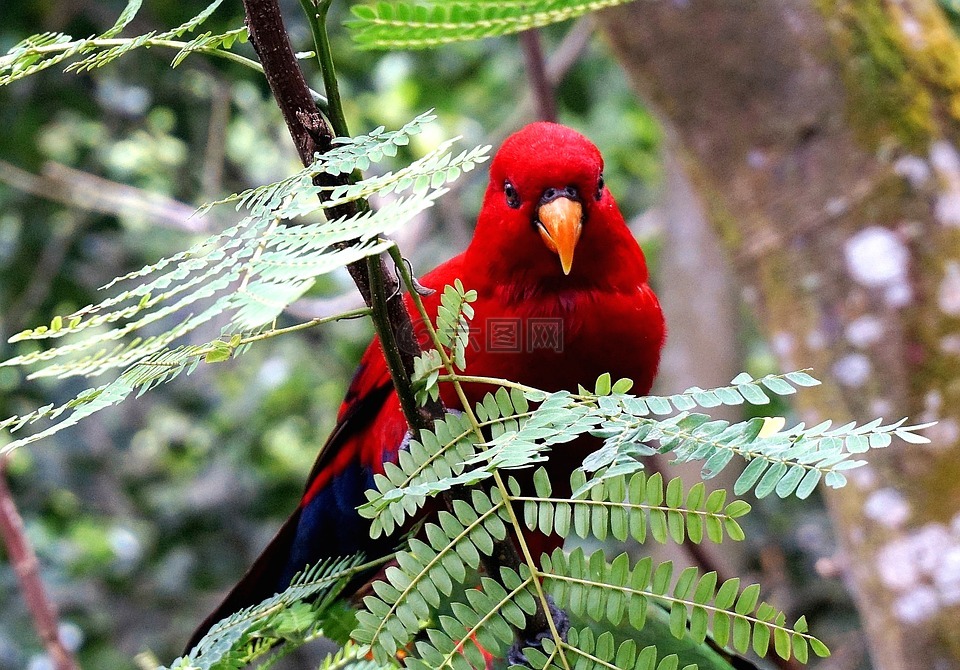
x: 562, y: 622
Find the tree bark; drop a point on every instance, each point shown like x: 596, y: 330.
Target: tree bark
x: 823, y: 136
x: 699, y: 304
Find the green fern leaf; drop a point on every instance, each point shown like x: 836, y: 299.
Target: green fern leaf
x: 410, y: 25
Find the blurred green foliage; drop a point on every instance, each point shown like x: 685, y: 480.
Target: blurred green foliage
x: 143, y: 516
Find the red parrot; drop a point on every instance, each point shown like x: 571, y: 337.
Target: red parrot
x: 562, y: 298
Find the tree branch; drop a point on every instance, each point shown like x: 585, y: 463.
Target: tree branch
x: 24, y: 562
x: 311, y: 135
x: 540, y: 84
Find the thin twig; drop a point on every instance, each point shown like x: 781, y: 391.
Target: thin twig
x: 215, y: 153
x: 540, y: 84
x: 25, y: 565
x: 85, y: 191
x: 45, y: 271
x: 558, y: 65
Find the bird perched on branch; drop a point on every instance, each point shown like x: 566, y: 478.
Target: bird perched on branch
x: 562, y: 298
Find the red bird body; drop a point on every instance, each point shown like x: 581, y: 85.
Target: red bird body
x: 542, y: 318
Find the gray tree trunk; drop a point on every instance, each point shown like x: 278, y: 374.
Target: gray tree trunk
x: 823, y: 137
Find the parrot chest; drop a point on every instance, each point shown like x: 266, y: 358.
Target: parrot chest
x: 559, y: 340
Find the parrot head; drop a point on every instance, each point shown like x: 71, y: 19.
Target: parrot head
x: 546, y: 205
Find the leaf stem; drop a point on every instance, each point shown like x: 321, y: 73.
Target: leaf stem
x: 493, y: 381
x: 540, y: 84
x: 573, y: 502
x: 316, y: 11
x: 157, y: 42
x: 649, y: 593
x: 541, y: 619
x: 313, y: 135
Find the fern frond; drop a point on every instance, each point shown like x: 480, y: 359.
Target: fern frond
x: 429, y: 465
x: 453, y: 321
x: 600, y: 652
x: 209, y: 41
x: 258, y: 625
x: 429, y: 571
x: 451, y: 455
x: 785, y: 463
x: 104, y: 56
x: 615, y: 592
x: 453, y: 335
x: 630, y: 507
x: 347, y: 155
x: 485, y: 623
x: 296, y: 195
x: 244, y: 276
x: 193, y: 23
x: 413, y: 25
x: 437, y: 168
x: 743, y: 388
x: 126, y: 16
x: 36, y: 53
x: 39, y: 52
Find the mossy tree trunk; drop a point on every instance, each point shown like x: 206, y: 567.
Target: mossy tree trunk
x: 823, y: 136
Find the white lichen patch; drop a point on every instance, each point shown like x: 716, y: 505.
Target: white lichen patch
x: 881, y: 407
x: 896, y: 565
x: 888, y: 507
x: 836, y: 207
x: 948, y: 295
x: 947, y: 579
x: 955, y: 525
x: 947, y: 209
x: 784, y: 347
x: 914, y: 169
x: 815, y: 340
x: 811, y: 282
x: 923, y: 568
x: 852, y: 370
x: 877, y: 258
x: 898, y: 295
x: 864, y: 331
x: 950, y: 344
x: 864, y: 477
x: 945, y: 434
x: 917, y: 605
x: 946, y: 165
x: 757, y: 159
x: 945, y: 160
x: 929, y: 542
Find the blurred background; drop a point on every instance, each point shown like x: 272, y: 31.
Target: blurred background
x: 790, y: 168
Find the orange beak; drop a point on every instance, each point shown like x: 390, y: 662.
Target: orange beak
x: 560, y: 223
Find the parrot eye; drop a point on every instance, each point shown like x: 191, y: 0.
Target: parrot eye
x: 513, y: 198
x: 599, y: 188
